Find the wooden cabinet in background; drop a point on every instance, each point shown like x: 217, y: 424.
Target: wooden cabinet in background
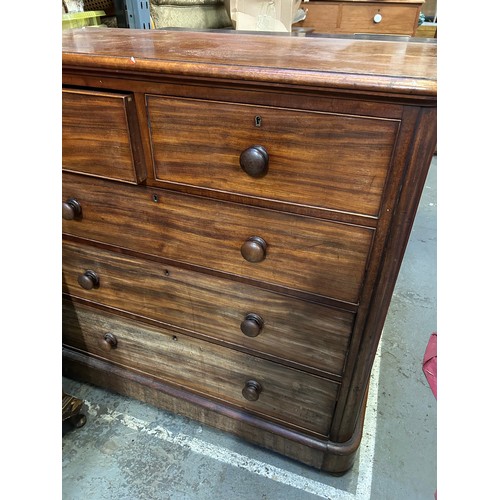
x: 235, y: 211
x: 391, y: 17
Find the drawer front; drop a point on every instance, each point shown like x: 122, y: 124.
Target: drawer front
x: 322, y: 16
x: 241, y: 315
x: 379, y: 18
x: 287, y: 395
x: 316, y: 159
x: 100, y: 136
x: 301, y: 253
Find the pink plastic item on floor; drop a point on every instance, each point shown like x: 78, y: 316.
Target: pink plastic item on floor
x: 429, y: 365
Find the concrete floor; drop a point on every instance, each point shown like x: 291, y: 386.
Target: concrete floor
x: 131, y: 451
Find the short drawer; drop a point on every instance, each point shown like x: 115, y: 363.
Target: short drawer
x: 301, y: 253
x: 322, y: 16
x: 324, y: 160
x: 379, y: 18
x: 273, y: 391
x: 100, y: 135
x: 241, y: 315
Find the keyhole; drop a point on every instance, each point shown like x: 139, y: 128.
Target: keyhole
x: 258, y: 121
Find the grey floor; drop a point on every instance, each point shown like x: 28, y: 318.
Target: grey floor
x: 131, y: 451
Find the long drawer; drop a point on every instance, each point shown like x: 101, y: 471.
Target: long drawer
x: 301, y: 253
x: 257, y: 385
x: 241, y: 315
x: 316, y: 159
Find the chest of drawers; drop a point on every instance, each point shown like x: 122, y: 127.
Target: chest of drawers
x: 235, y: 211
x: 383, y: 17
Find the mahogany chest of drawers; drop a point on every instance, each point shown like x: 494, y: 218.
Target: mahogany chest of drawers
x: 235, y: 211
x: 382, y: 17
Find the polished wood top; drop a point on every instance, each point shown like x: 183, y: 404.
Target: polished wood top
x: 403, y: 67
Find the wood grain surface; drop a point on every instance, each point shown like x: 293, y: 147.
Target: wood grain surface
x: 390, y: 68
x: 318, y: 159
x: 99, y: 135
x: 348, y: 16
x: 307, y: 334
x: 396, y: 19
x: 251, y: 295
x: 287, y: 395
x: 306, y: 254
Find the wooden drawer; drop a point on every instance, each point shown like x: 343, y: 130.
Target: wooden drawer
x: 304, y: 333
x: 326, y: 160
x: 379, y: 18
x: 286, y: 395
x: 398, y: 18
x: 322, y: 16
x: 100, y: 135
x: 302, y: 253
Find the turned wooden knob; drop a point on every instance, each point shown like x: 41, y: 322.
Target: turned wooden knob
x: 88, y: 280
x: 252, y: 325
x: 255, y: 161
x: 71, y: 209
x: 108, y: 342
x: 251, y: 390
x: 254, y: 249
